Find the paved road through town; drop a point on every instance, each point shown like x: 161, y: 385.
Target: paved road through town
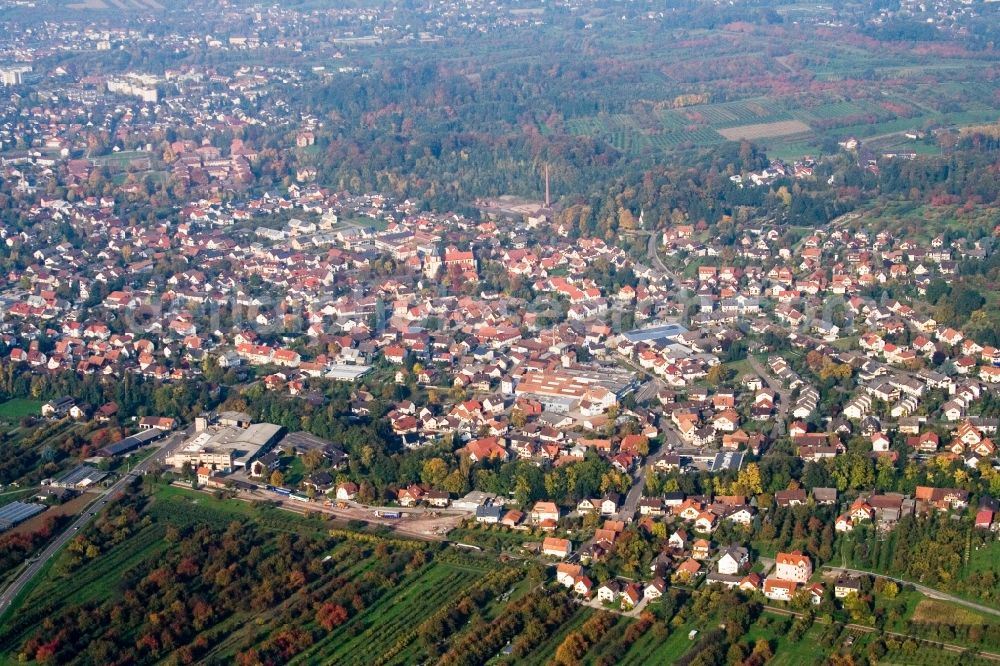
x: 654, y: 258
x: 671, y: 441
x: 647, y: 392
x: 35, y: 565
x: 784, y: 395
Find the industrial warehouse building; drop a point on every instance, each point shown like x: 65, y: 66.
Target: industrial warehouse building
x: 226, y: 448
x: 564, y: 390
x: 15, y: 513
x: 131, y: 443
x: 655, y: 333
x: 80, y: 477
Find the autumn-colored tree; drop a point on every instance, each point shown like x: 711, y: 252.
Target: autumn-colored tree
x: 571, y: 650
x: 829, y: 369
x: 719, y: 374
x: 814, y: 360
x: 330, y: 616
x: 615, y: 481
x: 312, y: 459
x: 748, y: 481
x: 248, y: 658
x: 626, y: 221
x: 434, y: 472
x: 454, y: 482
x: 762, y: 648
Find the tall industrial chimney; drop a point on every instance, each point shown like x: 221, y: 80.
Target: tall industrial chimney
x: 547, y: 201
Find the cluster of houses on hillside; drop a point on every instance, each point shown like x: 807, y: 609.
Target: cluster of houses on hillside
x: 685, y: 561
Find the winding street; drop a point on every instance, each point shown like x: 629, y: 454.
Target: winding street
x: 654, y: 258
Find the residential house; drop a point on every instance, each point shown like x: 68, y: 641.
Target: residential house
x: 631, y: 596
x: 688, y: 570
x: 347, y: 491
x: 58, y: 407
x: 778, y: 589
x: 608, y: 593
x: 790, y: 497
x: 543, y: 511
x: 846, y: 585
x: 489, y: 514
x: 733, y: 560
x: 655, y: 588
x: 556, y: 547
x: 566, y: 573
x: 793, y: 566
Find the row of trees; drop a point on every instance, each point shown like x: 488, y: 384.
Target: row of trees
x: 930, y: 550
x: 173, y: 600
x: 527, y: 620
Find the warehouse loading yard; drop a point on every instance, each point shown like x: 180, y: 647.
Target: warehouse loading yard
x: 418, y: 522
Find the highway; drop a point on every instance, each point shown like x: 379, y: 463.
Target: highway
x: 40, y: 560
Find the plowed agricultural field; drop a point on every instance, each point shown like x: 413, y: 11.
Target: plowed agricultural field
x: 765, y: 130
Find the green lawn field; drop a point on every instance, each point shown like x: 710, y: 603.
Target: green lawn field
x: 18, y: 408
